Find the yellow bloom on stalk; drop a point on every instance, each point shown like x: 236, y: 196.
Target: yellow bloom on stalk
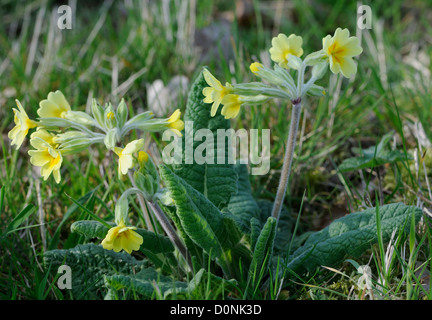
x: 48, y: 137
x: 122, y: 237
x: 55, y: 106
x: 22, y: 125
x: 111, y: 116
x: 143, y: 157
x: 232, y: 104
x: 46, y: 157
x: 340, y: 49
x: 175, y: 123
x: 216, y: 92
x: 283, y: 45
x: 255, y: 67
x: 125, y: 155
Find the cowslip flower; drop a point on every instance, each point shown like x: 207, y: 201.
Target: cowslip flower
x: 175, y: 123
x: 55, y: 106
x: 255, y: 67
x: 143, y: 157
x: 126, y: 160
x: 231, y: 106
x: 282, y: 46
x: 122, y: 237
x: 340, y: 49
x: 216, y: 92
x: 22, y: 125
x: 48, y: 137
x: 46, y: 157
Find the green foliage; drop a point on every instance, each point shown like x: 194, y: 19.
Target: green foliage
x: 226, y: 230
x: 263, y: 251
x: 351, y: 235
x: 374, y: 156
x: 242, y: 204
x: 90, y: 263
x: 216, y: 181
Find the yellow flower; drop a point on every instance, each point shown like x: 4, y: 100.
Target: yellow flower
x: 46, y: 157
x: 175, y: 123
x: 232, y: 104
x: 122, y: 237
x: 125, y: 155
x: 255, y: 67
x: 216, y: 92
x: 49, y: 137
x: 22, y: 125
x: 283, y: 45
x: 56, y: 106
x: 340, y: 49
x: 143, y: 157
x: 110, y: 115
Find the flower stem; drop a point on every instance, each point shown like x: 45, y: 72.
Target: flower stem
x: 166, y: 225
x: 289, y: 153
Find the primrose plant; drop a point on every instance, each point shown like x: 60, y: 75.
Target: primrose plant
x: 200, y: 218
x: 337, y: 52
x: 60, y: 131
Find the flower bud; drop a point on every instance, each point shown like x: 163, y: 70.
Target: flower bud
x: 111, y: 139
x: 79, y: 117
x: 98, y: 113
x: 121, y: 209
x: 122, y: 113
x: 319, y: 70
x: 316, y: 91
x: 294, y: 62
x: 110, y: 117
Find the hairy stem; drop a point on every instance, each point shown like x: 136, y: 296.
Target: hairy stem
x: 147, y: 217
x: 289, y: 153
x: 171, y: 233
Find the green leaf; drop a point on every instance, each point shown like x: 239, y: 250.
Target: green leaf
x: 263, y: 251
x: 350, y: 236
x: 199, y: 218
x: 89, y: 264
x: 285, y: 225
x: 19, y: 219
x: 147, y: 283
x: 374, y: 156
x: 152, y: 242
x: 216, y: 181
x: 242, y: 205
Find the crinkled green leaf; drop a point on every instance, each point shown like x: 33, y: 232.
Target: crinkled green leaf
x: 284, y: 227
x: 263, y: 251
x: 200, y: 219
x: 242, y: 204
x: 147, y: 283
x: 216, y: 181
x: 350, y: 235
x: 205, y: 225
x: 89, y: 264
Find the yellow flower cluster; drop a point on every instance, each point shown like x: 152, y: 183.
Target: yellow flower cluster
x: 337, y: 52
x: 47, y: 155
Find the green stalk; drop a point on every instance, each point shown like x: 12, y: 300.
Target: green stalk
x: 289, y: 154
x: 171, y: 233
